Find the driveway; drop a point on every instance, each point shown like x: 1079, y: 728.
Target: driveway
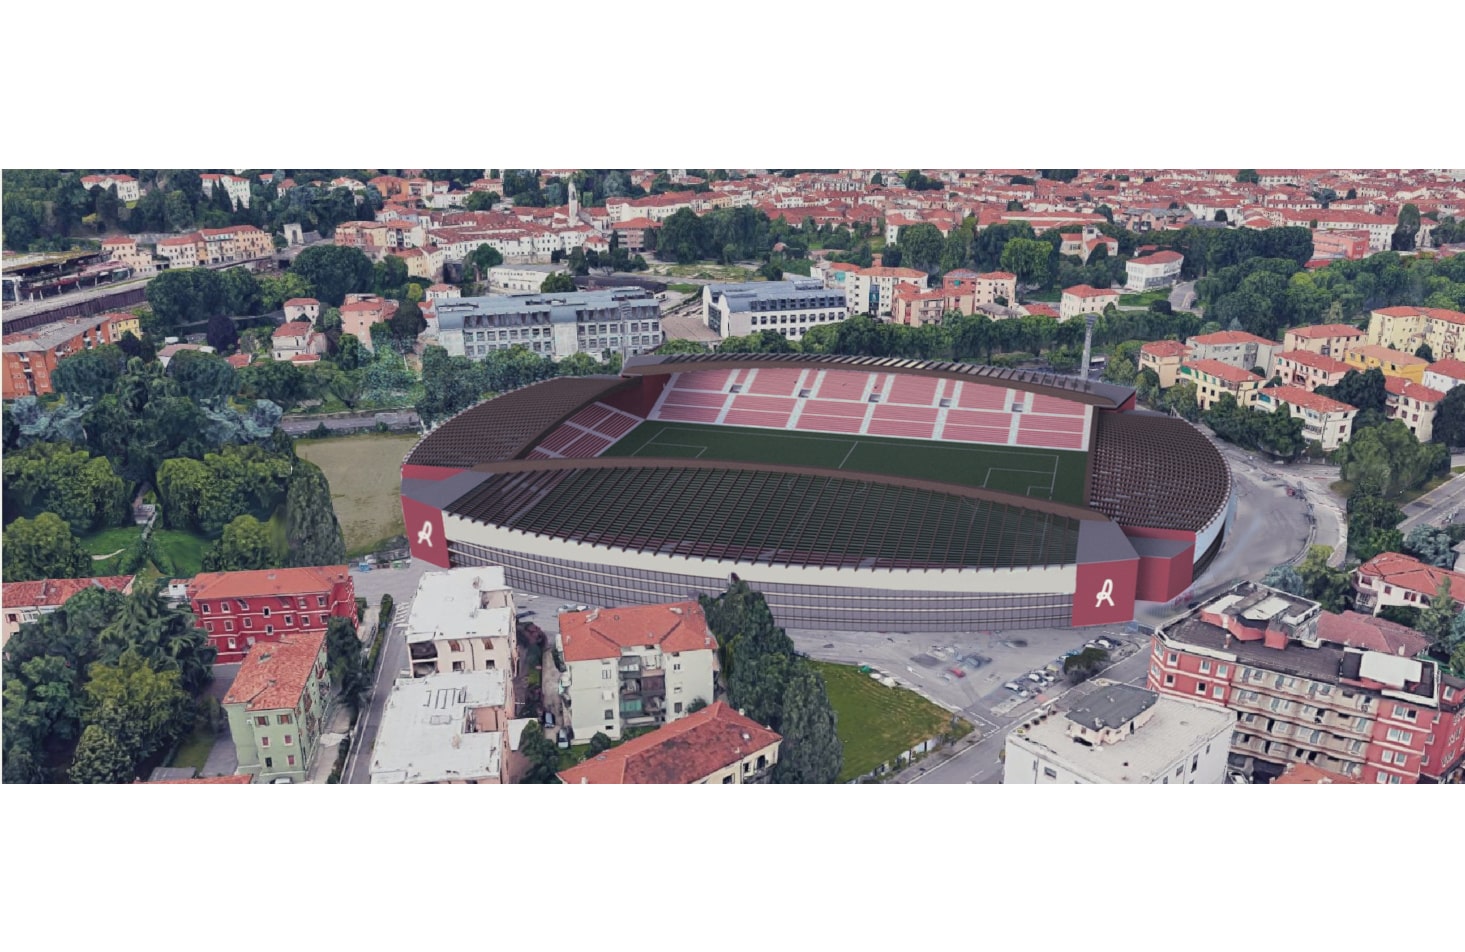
x: 223, y: 759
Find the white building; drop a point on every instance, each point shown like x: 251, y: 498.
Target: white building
x: 872, y: 290
x: 463, y: 620
x: 1121, y: 734
x: 1159, y: 270
x: 1083, y: 299
x: 524, y: 278
x: 634, y: 666
x: 447, y: 728
x: 622, y: 320
x: 237, y: 187
x: 789, y: 307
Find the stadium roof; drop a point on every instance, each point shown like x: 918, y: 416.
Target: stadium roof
x: 505, y: 427
x: 1157, y: 471
x: 1107, y: 395
x: 771, y: 515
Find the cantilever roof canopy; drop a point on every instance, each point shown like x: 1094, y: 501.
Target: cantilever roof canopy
x: 1106, y: 395
x: 1152, y: 470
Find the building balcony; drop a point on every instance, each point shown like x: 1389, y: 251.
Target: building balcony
x: 423, y: 651
x: 422, y: 669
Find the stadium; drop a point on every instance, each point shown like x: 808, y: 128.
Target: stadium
x: 858, y: 494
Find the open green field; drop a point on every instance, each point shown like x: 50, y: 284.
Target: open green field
x: 194, y: 749
x: 365, y: 473
x: 876, y: 723
x: 1144, y: 299
x: 1044, y: 474
x: 179, y: 553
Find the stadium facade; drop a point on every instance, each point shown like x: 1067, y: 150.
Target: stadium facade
x: 879, y: 514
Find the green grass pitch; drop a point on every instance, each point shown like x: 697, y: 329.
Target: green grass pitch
x: 1044, y: 474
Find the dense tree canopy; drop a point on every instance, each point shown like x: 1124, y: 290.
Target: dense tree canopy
x: 334, y: 271
x: 43, y: 547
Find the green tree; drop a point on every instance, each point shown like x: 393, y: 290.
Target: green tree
x: 812, y: 751
x: 42, y: 548
x: 600, y: 743
x: 143, y: 709
x: 165, y: 638
x: 101, y: 757
x: 1431, y: 545
x: 222, y: 334
x: 242, y: 294
x: 1029, y: 260
x: 1330, y: 587
x: 1449, y: 418
x: 388, y: 275
x: 88, y: 375
x: 347, y: 663
x: 1248, y: 176
x: 682, y: 238
x: 312, y: 532
x: 1371, y: 526
x: 275, y: 291
x: 1437, y: 618
x: 245, y: 545
x: 557, y: 283
x: 541, y: 753
x: 206, y: 379
x: 482, y: 258
x: 482, y: 201
x: 334, y: 271
x: 1181, y: 399
x: 1286, y: 578
x: 921, y: 246
x: 1407, y: 230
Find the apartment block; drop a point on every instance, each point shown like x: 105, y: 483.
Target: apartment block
x: 622, y: 320
x: 1239, y: 349
x: 788, y: 307
x: 447, y: 728
x: 1082, y: 299
x: 1324, y: 421
x: 277, y: 705
x: 1164, y: 357
x: 1212, y: 379
x: 1412, y: 404
x: 1406, y: 327
x: 1325, y: 340
x: 463, y: 620
x: 31, y: 356
x: 238, y: 609
x: 1158, y: 270
x: 1306, y: 369
x: 715, y: 745
x: 1401, y: 581
x: 1393, y: 363
x: 25, y: 602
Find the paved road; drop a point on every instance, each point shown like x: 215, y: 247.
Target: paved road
x: 1182, y: 296
x: 979, y: 762
x: 1438, y: 507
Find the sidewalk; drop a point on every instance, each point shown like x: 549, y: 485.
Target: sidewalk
x: 330, y: 739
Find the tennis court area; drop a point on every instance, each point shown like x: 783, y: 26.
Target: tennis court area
x: 1042, y: 474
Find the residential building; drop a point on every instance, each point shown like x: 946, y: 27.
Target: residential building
x: 1333, y: 245
x: 1238, y: 348
x: 31, y: 356
x: 633, y: 666
x: 1407, y: 327
x: 439, y: 292
x: 631, y: 233
x: 126, y: 185
x: 236, y: 609
x: 1213, y: 378
x: 993, y: 287
x: 1324, y: 421
x: 1326, y: 340
x: 1412, y: 404
x: 25, y: 602
x: 236, y: 186
x: 621, y: 320
x: 446, y: 728
x: 166, y: 355
x: 1307, y: 773
x: 916, y: 307
x: 1158, y: 270
x: 296, y: 339
x: 789, y: 307
x: 1398, y: 580
x: 1445, y: 375
x: 524, y: 278
x: 124, y: 250
x: 1301, y: 698
x: 1082, y: 299
x: 463, y: 620
x: 183, y: 251
x: 714, y: 745
x: 361, y: 311
x: 1081, y: 244
x: 302, y: 309
x: 277, y: 705
x: 1393, y: 363
x: 1117, y: 733
x: 872, y: 290
x: 1306, y: 369
x: 1164, y: 358
x: 235, y: 243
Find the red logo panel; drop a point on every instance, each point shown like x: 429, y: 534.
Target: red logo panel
x: 1104, y: 594
x: 425, y: 533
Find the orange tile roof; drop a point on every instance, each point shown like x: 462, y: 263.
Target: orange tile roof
x: 1449, y: 367
x: 1307, y: 773
x: 55, y: 592
x: 301, y: 302
x: 1385, y: 354
x: 232, y: 778
x: 998, y: 276
x: 1298, y: 397
x: 1365, y: 631
x: 265, y: 582
x: 892, y: 273
x: 1307, y: 358
x: 1323, y: 331
x: 1160, y: 257
x: 1230, y: 337
x: 684, y: 751
x: 274, y: 673
x: 603, y: 632
x: 1400, y: 387
x: 1085, y: 291
x: 1220, y: 371
x: 1165, y: 348
x: 292, y: 329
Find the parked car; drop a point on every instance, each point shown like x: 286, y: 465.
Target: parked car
x: 562, y: 739
x: 1107, y: 644
x: 1035, y: 678
x: 548, y: 718
x: 1013, y: 686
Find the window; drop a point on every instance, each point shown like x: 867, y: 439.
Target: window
x: 676, y: 667
x: 324, y: 620
x: 283, y: 719
x: 249, y: 623
x: 1400, y: 737
x: 262, y: 721
x: 457, y: 666
x: 267, y: 611
x: 320, y: 601
x: 1217, y: 691
x: 605, y: 674
x: 206, y: 608
x: 209, y: 626
x: 1050, y: 773
x: 289, y: 739
x: 454, y: 646
x: 1200, y: 687
x: 610, y: 715
x: 231, y: 643
x: 1173, y: 658
x: 1195, y: 763
x: 289, y: 620
x: 228, y: 624
x: 264, y: 742
x: 269, y: 763
x: 291, y: 759
x: 269, y: 629
x: 1404, y: 713
x: 1222, y: 670
x: 1205, y: 667
x: 1169, y: 680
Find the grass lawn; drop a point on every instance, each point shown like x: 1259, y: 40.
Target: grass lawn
x: 1145, y: 299
x: 1046, y: 474
x: 365, y: 473
x: 184, y: 549
x: 707, y: 272
x: 181, y: 552
x: 111, y: 540
x: 1046, y: 297
x: 1458, y: 469
x: 685, y: 288
x: 194, y: 751
x: 876, y: 723
x: 1410, y: 495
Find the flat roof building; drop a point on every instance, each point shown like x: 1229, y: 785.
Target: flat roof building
x: 788, y: 307
x: 444, y: 728
x: 619, y: 320
x: 463, y: 620
x: 1117, y: 733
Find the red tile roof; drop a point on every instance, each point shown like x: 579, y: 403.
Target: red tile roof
x: 684, y: 751
x: 1449, y: 367
x: 1220, y: 371
x: 1230, y: 337
x: 1307, y: 358
x: 1410, y: 574
x: 1159, y: 257
x: 892, y: 273
x: 1324, y: 331
x: 1085, y: 291
x: 1400, y: 387
x: 1385, y: 354
x: 603, y: 632
x: 1039, y: 310
x: 1375, y: 634
x: 293, y: 329
x: 55, y: 592
x: 998, y: 276
x: 1165, y: 348
x: 238, y: 361
x: 1299, y: 397
x: 301, y: 302
x: 267, y: 582
x: 1438, y: 313
x: 1307, y: 773
x: 274, y: 673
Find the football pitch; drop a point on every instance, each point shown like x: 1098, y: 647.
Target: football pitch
x: 1043, y: 474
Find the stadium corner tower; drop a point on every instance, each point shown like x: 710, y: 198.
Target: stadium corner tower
x: 858, y: 494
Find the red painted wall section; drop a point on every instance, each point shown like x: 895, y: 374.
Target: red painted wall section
x: 1161, y: 579
x: 640, y: 397
x: 432, y: 473
x: 425, y: 536
x: 1104, y: 593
